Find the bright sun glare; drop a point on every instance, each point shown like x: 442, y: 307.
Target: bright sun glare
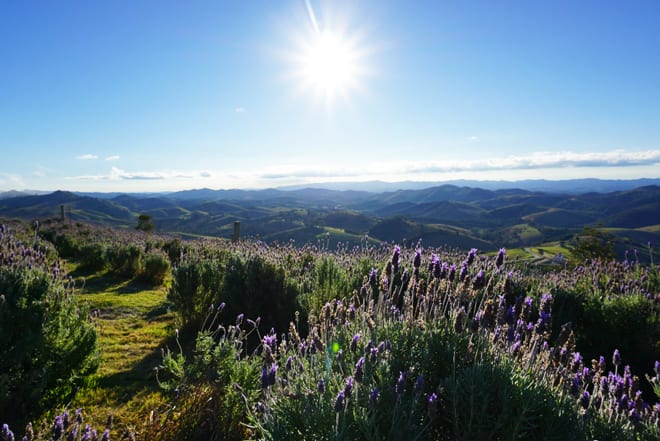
x: 329, y: 65
x: 328, y: 61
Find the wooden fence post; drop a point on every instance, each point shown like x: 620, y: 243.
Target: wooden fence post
x: 237, y: 232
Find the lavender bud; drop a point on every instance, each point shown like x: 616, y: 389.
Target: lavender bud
x: 339, y: 402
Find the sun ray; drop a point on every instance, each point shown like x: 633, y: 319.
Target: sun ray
x: 328, y: 60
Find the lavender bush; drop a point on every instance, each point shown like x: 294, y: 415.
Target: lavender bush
x: 436, y: 347
x: 47, y: 341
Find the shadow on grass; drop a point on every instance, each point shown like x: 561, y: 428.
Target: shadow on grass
x: 109, y: 283
x: 123, y: 386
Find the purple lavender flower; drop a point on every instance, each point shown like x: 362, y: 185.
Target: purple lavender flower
x: 354, y: 342
x: 464, y: 270
x: 374, y: 396
x: 452, y: 273
x: 239, y: 319
x: 480, y: 280
x: 471, y: 255
x: 106, y: 435
x: 543, y: 323
x: 373, y: 277
x: 287, y: 365
x: 58, y: 427
x: 373, y: 354
x: 546, y: 302
x: 476, y: 321
x: 270, y: 340
x: 576, y: 362
x: 321, y: 386
x: 602, y: 366
x: 417, y: 261
x: 585, y: 399
x: 271, y: 374
x: 395, y: 258
x: 89, y: 434
x: 400, y: 385
x: 616, y: 358
x: 500, y: 257
x: 432, y: 405
x: 6, y: 434
x: 339, y: 402
x: 348, y: 387
x: 359, y: 370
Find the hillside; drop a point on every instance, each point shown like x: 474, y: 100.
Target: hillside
x: 443, y: 215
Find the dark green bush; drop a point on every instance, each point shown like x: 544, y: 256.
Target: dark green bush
x: 249, y: 285
x: 47, y: 342
x: 600, y: 325
x: 196, y: 283
x: 126, y: 260
x: 93, y: 257
x: 156, y: 268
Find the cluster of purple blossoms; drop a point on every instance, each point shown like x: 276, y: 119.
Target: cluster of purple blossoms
x: 359, y: 370
x: 500, y: 258
x: 268, y: 375
x: 354, y: 342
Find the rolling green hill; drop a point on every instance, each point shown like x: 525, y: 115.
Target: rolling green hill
x: 461, y: 217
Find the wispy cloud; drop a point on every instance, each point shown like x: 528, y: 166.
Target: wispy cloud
x: 112, y: 158
x: 87, y: 157
x: 537, y: 160
x: 473, y: 138
x: 240, y: 110
x: 11, y: 181
x: 117, y: 174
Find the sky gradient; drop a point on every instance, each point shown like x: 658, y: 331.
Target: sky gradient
x: 170, y: 95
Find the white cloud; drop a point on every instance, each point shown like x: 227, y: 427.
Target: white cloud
x: 240, y: 110
x: 117, y: 174
x: 87, y: 157
x: 11, y: 181
x: 473, y: 139
x: 112, y: 158
x: 533, y: 161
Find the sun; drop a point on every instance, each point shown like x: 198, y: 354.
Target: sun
x: 329, y: 66
x: 328, y: 60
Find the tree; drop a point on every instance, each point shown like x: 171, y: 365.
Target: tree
x: 592, y: 243
x: 145, y: 223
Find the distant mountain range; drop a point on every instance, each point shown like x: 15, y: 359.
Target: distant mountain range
x: 569, y: 186
x: 458, y: 216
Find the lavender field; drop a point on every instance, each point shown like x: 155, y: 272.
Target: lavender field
x: 368, y: 342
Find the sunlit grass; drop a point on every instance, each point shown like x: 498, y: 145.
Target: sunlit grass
x: 134, y: 322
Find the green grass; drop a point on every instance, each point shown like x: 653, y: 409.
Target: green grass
x: 133, y: 322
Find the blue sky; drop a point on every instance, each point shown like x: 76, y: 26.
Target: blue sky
x: 167, y: 95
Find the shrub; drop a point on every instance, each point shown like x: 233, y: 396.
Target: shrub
x: 156, y: 268
x: 47, y: 342
x: 250, y: 284
x: 93, y: 257
x: 126, y: 260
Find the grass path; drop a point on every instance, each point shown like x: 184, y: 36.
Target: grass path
x: 134, y: 323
